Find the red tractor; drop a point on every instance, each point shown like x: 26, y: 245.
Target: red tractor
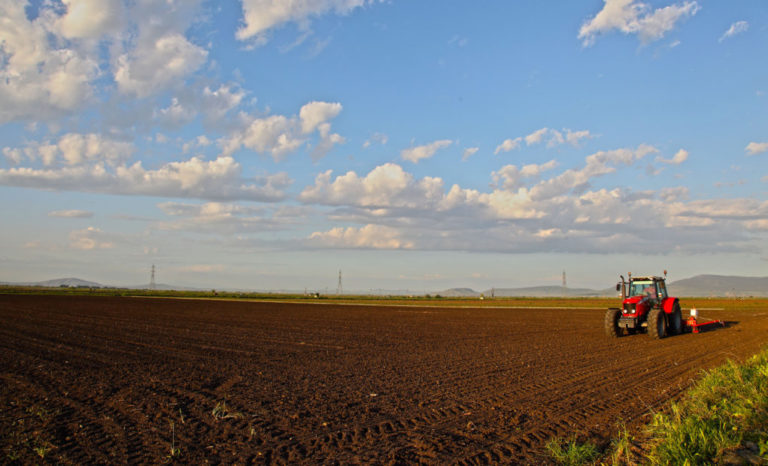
x: 645, y: 305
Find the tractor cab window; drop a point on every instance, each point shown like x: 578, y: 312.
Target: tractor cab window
x: 642, y: 288
x: 662, y: 288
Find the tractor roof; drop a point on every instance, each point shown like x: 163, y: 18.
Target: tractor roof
x: 651, y: 278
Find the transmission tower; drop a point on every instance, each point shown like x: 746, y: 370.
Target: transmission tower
x: 152, y: 285
x: 339, y: 288
x: 564, y: 285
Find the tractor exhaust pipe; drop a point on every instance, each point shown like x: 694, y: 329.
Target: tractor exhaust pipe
x: 622, y: 287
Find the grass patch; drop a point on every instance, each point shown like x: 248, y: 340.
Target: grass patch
x: 726, y: 410
x: 723, y: 417
x: 570, y: 452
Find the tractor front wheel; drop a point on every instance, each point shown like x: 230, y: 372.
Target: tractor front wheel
x: 657, y: 324
x: 676, y: 321
x: 612, y: 323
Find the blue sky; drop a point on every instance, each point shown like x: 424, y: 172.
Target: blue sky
x: 264, y: 144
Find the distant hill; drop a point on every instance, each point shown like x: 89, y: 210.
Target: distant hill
x: 59, y: 282
x: 698, y: 286
x: 720, y: 285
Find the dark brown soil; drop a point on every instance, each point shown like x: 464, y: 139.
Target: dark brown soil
x: 139, y: 380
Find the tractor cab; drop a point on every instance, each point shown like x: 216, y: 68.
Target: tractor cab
x: 652, y: 291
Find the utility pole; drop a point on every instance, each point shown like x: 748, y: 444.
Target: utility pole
x: 339, y: 288
x: 152, y: 284
x: 564, y: 283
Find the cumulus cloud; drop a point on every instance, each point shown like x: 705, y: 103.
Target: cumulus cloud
x: 219, y: 179
x: 508, y: 145
x: 509, y: 177
x: 157, y: 63
x: 736, y: 28
x: 261, y: 15
x: 552, y: 137
x: 74, y: 149
x: 387, y: 185
x: 534, y: 208
x: 680, y: 157
x: 70, y: 214
x: 278, y: 135
x: 316, y: 113
x: 633, y: 17
x: 90, y: 19
x: 217, y: 103
x: 414, y: 154
x: 39, y: 78
x: 754, y: 148
x: 367, y: 237
x: 598, y: 164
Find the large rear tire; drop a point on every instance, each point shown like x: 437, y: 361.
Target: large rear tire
x: 657, y: 324
x: 676, y: 321
x: 612, y: 323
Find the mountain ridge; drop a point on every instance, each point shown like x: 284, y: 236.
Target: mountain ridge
x: 704, y: 285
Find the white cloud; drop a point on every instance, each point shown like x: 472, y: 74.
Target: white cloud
x: 39, y: 78
x: 509, y: 177
x: 469, y: 152
x: 633, y: 17
x: 75, y: 149
x: 218, y: 179
x: 70, y: 214
x: 90, y: 19
x: 367, y: 237
x: 414, y: 154
x: 522, y: 214
x: 157, y: 63
x: 387, y: 185
x: 508, y: 145
x: 175, y: 115
x: 598, y: 164
x: 89, y: 239
x: 278, y: 135
x: 553, y: 138
x: 536, y: 136
x: 680, y: 157
x: 316, y: 113
x: 754, y: 148
x: 261, y: 15
x: 736, y: 28
x: 217, y: 103
x: 574, y: 137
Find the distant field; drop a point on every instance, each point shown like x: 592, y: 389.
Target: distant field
x: 104, y: 379
x: 428, y: 300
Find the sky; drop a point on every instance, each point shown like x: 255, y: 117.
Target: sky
x: 419, y: 145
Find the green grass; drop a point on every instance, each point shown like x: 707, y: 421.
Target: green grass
x: 570, y: 452
x: 725, y: 411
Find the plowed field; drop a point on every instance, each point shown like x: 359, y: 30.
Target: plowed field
x: 139, y: 380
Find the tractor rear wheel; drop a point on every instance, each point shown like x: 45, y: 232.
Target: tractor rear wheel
x: 612, y: 323
x: 676, y: 321
x: 657, y: 324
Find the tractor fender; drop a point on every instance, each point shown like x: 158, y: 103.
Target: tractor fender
x: 668, y: 305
